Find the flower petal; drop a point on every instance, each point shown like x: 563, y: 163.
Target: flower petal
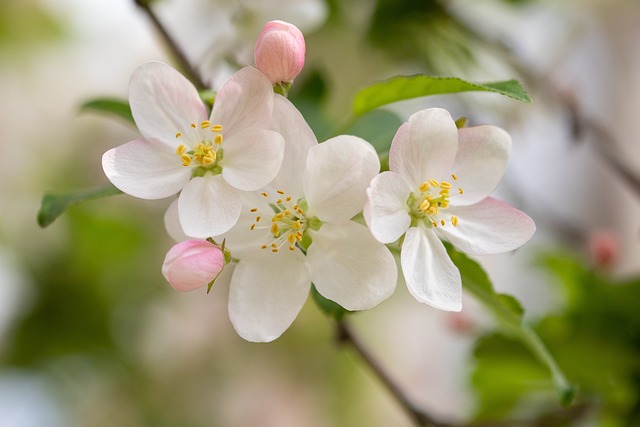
x: 386, y: 212
x: 145, y: 169
x: 208, y: 207
x: 350, y: 267
x: 483, y: 153
x: 192, y: 264
x: 242, y: 239
x: 252, y: 158
x: 298, y: 138
x: 245, y: 100
x: 425, y: 146
x: 431, y: 276
x: 172, y: 223
x: 337, y: 175
x: 163, y: 102
x: 488, y: 227
x: 267, y: 292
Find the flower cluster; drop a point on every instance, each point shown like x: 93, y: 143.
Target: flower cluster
x: 257, y: 194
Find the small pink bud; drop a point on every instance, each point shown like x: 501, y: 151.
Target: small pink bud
x: 192, y: 264
x: 604, y: 248
x: 279, y: 51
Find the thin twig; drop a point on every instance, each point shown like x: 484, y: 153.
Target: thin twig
x: 186, y: 66
x: 419, y: 417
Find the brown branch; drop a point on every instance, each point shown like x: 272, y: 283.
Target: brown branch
x: 180, y: 56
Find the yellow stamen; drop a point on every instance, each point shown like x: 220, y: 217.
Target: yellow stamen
x: 218, y: 139
x: 454, y: 176
x: 292, y: 248
x: 193, y: 125
x: 291, y: 238
x: 442, y: 222
x: 275, y: 230
x: 186, y: 160
x: 264, y: 246
x: 454, y: 220
x: 216, y: 128
x: 281, y: 192
x: 278, y: 201
x: 434, y: 182
x: 424, y: 205
x: 258, y: 218
x: 288, y: 199
x: 264, y: 194
x: 205, y: 124
x: 460, y: 190
x: 253, y: 226
x: 181, y: 150
x: 178, y: 135
x: 445, y: 184
x: 424, y: 187
x: 254, y: 209
x: 434, y: 224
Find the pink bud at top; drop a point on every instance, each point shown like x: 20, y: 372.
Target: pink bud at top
x: 192, y: 264
x: 604, y: 248
x: 279, y: 51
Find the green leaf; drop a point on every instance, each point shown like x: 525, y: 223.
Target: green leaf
x: 401, y: 88
x: 330, y: 308
x: 114, y: 106
x: 377, y: 127
x: 208, y: 96
x: 54, y: 204
x: 508, y: 312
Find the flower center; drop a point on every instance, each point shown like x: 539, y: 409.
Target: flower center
x: 433, y: 197
x: 205, y: 147
x: 287, y: 224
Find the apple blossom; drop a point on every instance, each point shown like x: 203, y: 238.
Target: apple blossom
x: 279, y: 52
x: 299, y: 230
x: 192, y: 264
x: 208, y: 159
x: 436, y: 187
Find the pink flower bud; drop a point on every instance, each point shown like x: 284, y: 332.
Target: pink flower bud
x: 192, y: 264
x: 279, y: 51
x: 604, y: 248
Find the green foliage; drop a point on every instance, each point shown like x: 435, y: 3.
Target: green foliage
x: 401, y: 88
x: 508, y: 312
x: 377, y: 127
x: 596, y: 338
x: 54, y: 204
x: 328, y: 307
x: 118, y: 107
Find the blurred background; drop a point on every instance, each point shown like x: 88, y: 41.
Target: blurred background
x: 92, y: 335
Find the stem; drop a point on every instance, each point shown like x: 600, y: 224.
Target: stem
x: 180, y: 56
x: 420, y: 418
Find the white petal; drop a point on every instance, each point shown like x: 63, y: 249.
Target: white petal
x: 337, y: 175
x: 386, y: 212
x: 299, y: 138
x: 245, y: 100
x: 267, y: 292
x: 241, y: 239
x: 431, y: 276
x: 172, y: 223
x: 350, y: 267
x: 208, y: 206
x: 163, y: 102
x: 145, y: 169
x: 252, y: 158
x: 425, y: 146
x: 483, y: 153
x: 488, y: 227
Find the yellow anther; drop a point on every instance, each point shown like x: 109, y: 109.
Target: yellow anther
x: 288, y: 199
x: 281, y: 192
x: 287, y: 213
x: 216, y: 128
x: 253, y: 226
x: 299, y: 236
x: 434, y: 224
x: 178, y: 135
x: 258, y: 218
x: 181, y: 150
x: 454, y: 220
x: 454, y: 176
x: 193, y: 125
x: 275, y: 230
x: 460, y: 190
x: 444, y: 204
x: 292, y: 248
x: 445, y: 184
x: 424, y: 205
x: 254, y: 209
x: 273, y: 245
x: 297, y: 225
x: 264, y: 246
x: 291, y: 238
x: 218, y: 139
x: 278, y: 201
x: 295, y: 207
x: 186, y: 160
x: 205, y: 124
x: 444, y: 192
x: 424, y: 187
x: 278, y: 216
x: 209, y: 158
x: 274, y: 250
x: 264, y: 194
x: 434, y: 182
x: 442, y: 222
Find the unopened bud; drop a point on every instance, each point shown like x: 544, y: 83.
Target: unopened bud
x: 192, y: 264
x: 604, y: 248
x: 279, y: 51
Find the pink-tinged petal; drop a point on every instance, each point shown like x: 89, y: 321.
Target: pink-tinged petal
x: 425, y: 146
x: 431, y: 277
x: 208, y: 207
x: 279, y: 51
x: 350, y: 267
x: 488, y: 227
x: 242, y: 239
x: 245, y: 100
x: 267, y: 292
x: 483, y: 153
x: 252, y: 158
x: 337, y: 175
x: 386, y: 211
x: 192, y: 264
x: 298, y: 138
x: 172, y: 223
x: 163, y: 102
x: 145, y: 169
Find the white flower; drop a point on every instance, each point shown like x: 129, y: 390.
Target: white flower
x: 208, y: 158
x: 437, y: 187
x: 300, y: 231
